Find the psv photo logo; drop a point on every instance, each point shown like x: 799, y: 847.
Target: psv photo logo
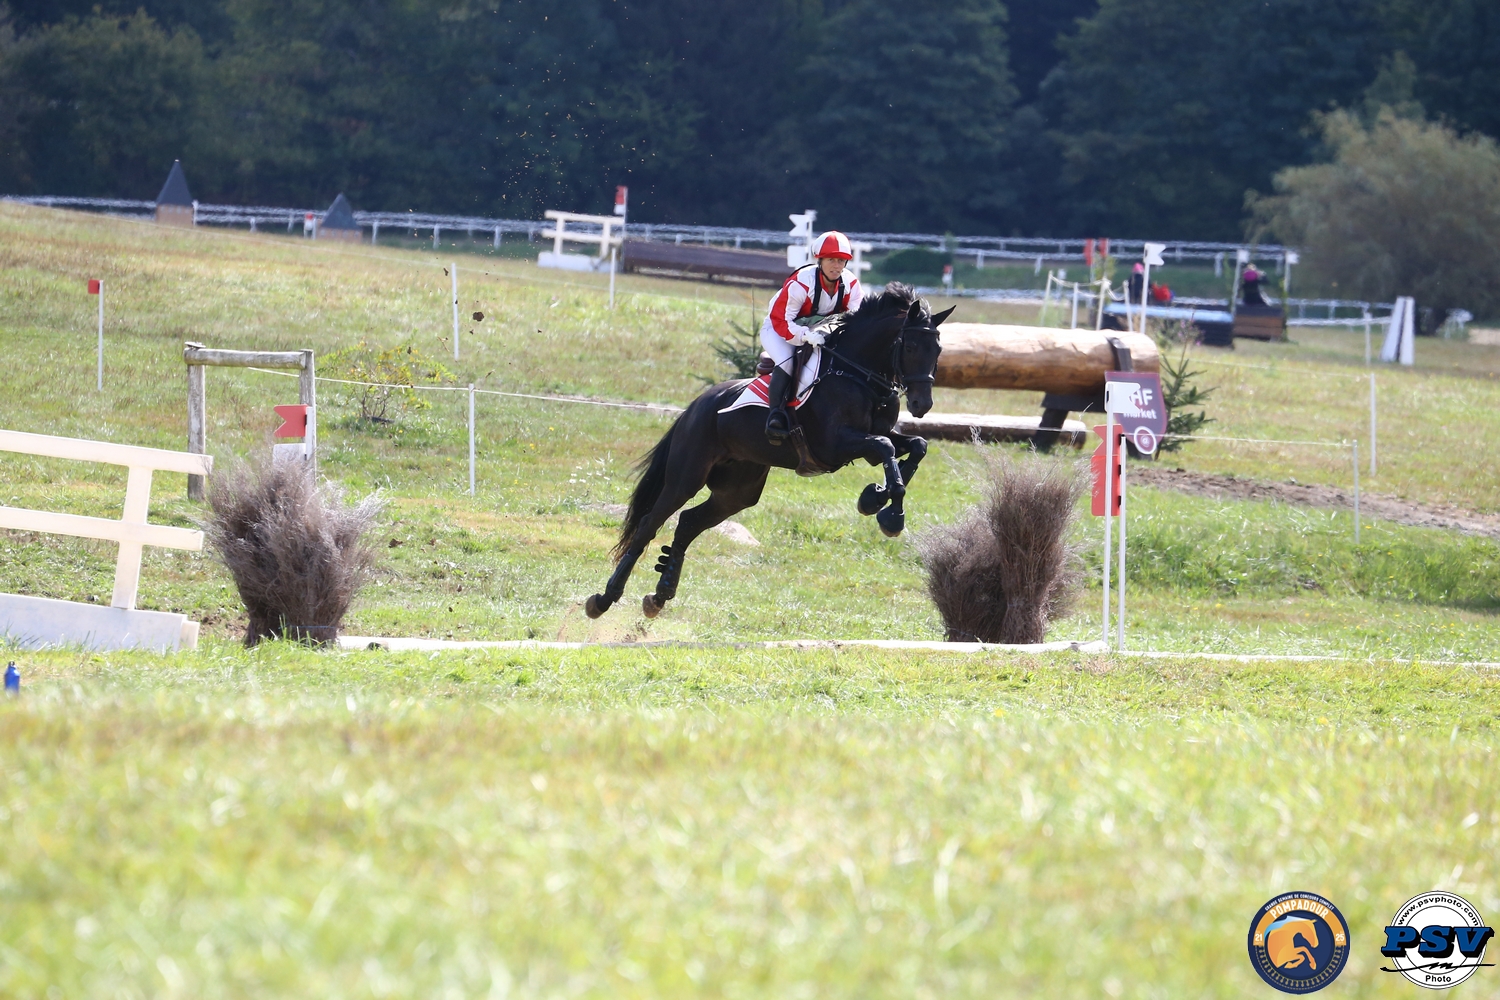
x: 1436, y: 940
x: 1299, y: 942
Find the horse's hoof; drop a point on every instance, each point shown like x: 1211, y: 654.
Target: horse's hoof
x: 892, y: 523
x: 596, y: 605
x: 650, y: 606
x: 872, y: 499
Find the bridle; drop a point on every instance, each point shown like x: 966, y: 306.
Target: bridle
x: 882, y: 386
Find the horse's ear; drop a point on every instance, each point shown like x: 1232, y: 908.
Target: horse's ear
x: 914, y: 312
x: 938, y: 319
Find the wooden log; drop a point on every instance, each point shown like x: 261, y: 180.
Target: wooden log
x: 992, y: 356
x: 195, y: 355
x: 986, y: 427
x: 691, y: 258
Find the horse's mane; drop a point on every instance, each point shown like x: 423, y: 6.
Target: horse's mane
x: 894, y: 296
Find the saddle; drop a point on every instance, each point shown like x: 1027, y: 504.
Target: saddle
x: 807, y: 465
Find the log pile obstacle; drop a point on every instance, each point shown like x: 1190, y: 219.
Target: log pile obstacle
x: 995, y: 356
x: 35, y: 622
x: 1068, y: 366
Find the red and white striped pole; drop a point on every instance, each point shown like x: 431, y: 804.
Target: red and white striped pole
x: 96, y: 287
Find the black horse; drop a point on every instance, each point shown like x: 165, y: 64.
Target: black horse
x: 888, y: 345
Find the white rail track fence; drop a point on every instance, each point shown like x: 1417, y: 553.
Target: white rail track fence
x: 980, y: 248
x: 1334, y: 312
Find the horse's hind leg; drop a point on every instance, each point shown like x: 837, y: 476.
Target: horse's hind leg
x: 735, y: 486
x: 680, y: 487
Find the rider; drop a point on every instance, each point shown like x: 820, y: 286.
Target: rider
x: 812, y: 291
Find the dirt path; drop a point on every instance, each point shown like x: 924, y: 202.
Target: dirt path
x: 1370, y: 504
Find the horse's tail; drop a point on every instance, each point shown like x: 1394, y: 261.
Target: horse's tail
x: 653, y: 466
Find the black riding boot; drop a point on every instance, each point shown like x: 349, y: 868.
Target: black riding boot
x: 778, y: 427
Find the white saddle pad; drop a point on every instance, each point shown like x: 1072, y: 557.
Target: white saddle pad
x: 757, y: 391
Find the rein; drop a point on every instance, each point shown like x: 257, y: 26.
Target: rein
x: 888, y: 386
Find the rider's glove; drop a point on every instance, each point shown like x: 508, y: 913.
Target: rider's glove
x: 814, y: 336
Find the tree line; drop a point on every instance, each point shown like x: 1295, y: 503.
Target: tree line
x: 1050, y: 117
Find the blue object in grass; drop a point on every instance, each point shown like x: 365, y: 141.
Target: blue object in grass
x: 12, y: 679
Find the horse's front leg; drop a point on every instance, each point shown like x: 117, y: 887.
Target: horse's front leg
x: 914, y: 448
x: 877, y: 449
x: 876, y: 496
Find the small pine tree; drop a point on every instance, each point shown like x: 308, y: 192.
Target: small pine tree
x: 1180, y: 391
x: 740, y: 351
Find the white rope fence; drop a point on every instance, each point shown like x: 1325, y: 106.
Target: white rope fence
x: 669, y: 410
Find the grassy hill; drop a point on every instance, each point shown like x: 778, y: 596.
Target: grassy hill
x: 608, y: 822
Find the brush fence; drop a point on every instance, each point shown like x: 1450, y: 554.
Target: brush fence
x: 35, y: 622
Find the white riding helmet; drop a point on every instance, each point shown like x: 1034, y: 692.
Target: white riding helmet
x: 833, y: 244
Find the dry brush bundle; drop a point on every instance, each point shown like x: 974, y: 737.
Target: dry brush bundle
x: 1007, y: 569
x: 296, y: 549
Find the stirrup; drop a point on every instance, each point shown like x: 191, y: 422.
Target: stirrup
x: 778, y: 427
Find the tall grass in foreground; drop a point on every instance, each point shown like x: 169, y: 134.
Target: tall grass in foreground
x: 608, y: 824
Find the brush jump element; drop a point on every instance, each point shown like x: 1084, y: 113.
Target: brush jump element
x: 888, y: 345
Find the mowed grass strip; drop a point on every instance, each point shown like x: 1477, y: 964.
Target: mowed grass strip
x: 610, y: 823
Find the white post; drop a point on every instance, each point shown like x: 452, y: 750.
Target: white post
x: 1124, y: 456
x: 1356, y: 491
x: 1390, y: 350
x: 455, y: 310
x: 1367, y: 335
x: 612, y: 277
x: 197, y: 425
x: 434, y: 237
x: 1075, y: 305
x: 128, y: 561
x: 1372, y: 424
x: 1109, y: 482
x: 1145, y: 291
x: 497, y: 237
x: 1409, y: 332
x: 101, y: 335
x: 374, y: 232
x: 471, y: 439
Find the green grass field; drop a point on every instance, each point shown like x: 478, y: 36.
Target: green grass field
x: 709, y: 820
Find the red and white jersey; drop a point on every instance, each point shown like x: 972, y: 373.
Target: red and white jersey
x: 799, y: 298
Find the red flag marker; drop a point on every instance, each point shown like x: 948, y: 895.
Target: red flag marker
x: 294, y: 417
x: 93, y: 286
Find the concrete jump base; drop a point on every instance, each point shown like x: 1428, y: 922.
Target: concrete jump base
x: 42, y: 622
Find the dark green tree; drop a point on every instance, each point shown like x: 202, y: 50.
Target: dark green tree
x: 1167, y: 111
x: 103, y: 105
x: 901, y: 120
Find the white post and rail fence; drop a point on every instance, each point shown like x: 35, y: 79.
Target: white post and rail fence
x: 35, y: 622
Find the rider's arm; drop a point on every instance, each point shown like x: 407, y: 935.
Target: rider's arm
x: 785, y: 309
x: 856, y: 294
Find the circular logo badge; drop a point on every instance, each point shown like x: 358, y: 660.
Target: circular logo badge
x: 1299, y: 942
x: 1145, y: 440
x: 1436, y: 940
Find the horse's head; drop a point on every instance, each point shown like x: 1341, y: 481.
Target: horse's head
x: 918, y: 355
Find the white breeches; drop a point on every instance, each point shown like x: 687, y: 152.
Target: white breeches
x: 779, y: 350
